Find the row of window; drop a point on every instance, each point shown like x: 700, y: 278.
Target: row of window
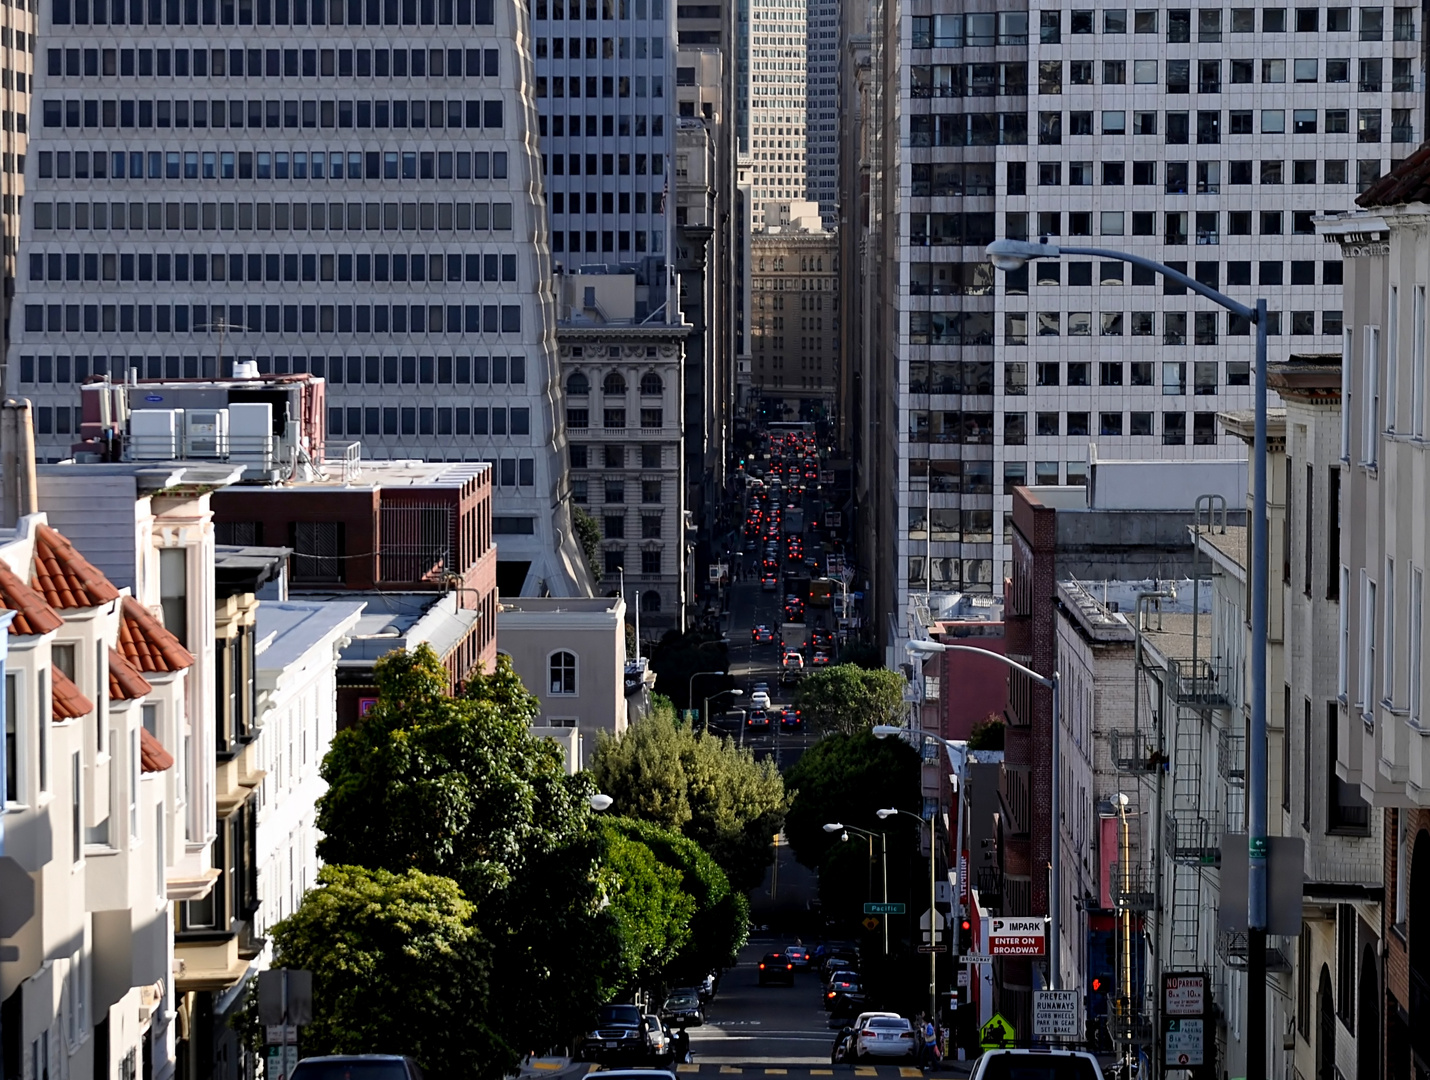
x: 272, y: 267
x: 1011, y: 129
x: 603, y: 9
x: 614, y: 419
x: 1178, y: 175
x: 977, y: 377
x: 1209, y: 22
x: 486, y: 371
x: 271, y: 113
x: 479, y: 422
x: 1079, y: 424
x: 270, y: 217
x: 613, y: 527
x: 578, y: 384
x: 610, y: 86
x: 606, y: 48
x: 615, y: 490
x: 610, y: 164
x: 1238, y: 272
x: 613, y: 456
x: 263, y: 165
x: 609, y: 241
x: 1144, y: 223
x: 272, y: 63
x: 623, y: 126
x: 951, y: 328
x: 609, y: 202
x: 272, y: 12
x: 451, y: 319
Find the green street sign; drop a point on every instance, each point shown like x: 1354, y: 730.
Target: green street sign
x: 883, y: 909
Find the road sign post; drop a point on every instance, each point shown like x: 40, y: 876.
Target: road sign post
x: 996, y: 1034
x: 1017, y: 937
x: 1055, y: 1014
x: 874, y: 907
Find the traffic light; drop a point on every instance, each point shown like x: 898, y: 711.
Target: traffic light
x: 1097, y: 985
x: 965, y: 937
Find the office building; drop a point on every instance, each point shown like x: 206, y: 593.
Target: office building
x: 776, y: 119
x: 623, y: 420
x: 304, y: 203
x: 794, y: 313
x: 17, y: 55
x: 605, y: 94
x: 1206, y: 139
x: 822, y: 109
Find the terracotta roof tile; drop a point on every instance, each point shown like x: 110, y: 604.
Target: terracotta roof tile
x: 146, y: 644
x: 32, y: 614
x: 67, y: 702
x: 1408, y: 182
x: 152, y: 755
x: 125, y: 682
x: 65, y: 577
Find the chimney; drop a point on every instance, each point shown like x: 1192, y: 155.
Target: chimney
x: 17, y: 462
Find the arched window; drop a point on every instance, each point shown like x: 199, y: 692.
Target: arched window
x: 577, y: 383
x: 650, y: 601
x: 651, y: 384
x: 561, y: 672
x: 615, y: 383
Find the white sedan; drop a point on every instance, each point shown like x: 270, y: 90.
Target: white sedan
x: 886, y: 1037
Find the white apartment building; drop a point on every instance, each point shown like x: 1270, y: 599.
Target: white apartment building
x: 605, y: 94
x: 1203, y: 138
x: 308, y: 202
x: 822, y: 109
x: 778, y: 97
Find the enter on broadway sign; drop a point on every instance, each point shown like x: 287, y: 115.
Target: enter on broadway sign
x: 1016, y: 937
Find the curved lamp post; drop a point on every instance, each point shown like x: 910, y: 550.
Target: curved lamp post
x: 705, y: 713
x: 1014, y: 254
x: 845, y: 830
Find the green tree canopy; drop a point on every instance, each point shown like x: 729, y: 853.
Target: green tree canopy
x: 648, y: 902
x: 699, y: 785
x: 458, y: 787
x: 397, y: 963
x: 678, y: 656
x: 847, y: 698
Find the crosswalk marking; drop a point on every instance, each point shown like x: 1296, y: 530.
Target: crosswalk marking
x: 687, y: 1068
x: 906, y: 1071
x: 730, y: 1070
x: 865, y: 1070
x: 776, y: 1072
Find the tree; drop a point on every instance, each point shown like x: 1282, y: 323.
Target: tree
x: 700, y: 785
x: 846, y: 698
x: 678, y: 656
x: 647, y: 901
x: 987, y: 734
x: 845, y: 778
x: 397, y: 963
x: 864, y: 654
x: 720, y: 919
x: 589, y: 534
x: 458, y: 787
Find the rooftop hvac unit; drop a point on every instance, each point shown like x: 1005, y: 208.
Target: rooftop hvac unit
x: 250, y: 434
x: 206, y: 433
x: 154, y: 434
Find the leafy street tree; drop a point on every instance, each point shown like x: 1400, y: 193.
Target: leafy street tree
x: 699, y: 785
x: 720, y: 919
x: 589, y: 533
x: 679, y: 656
x: 458, y: 787
x: 846, y: 778
x: 847, y: 698
x: 397, y: 963
x: 648, y: 902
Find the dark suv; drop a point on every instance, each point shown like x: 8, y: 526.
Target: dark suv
x: 619, y: 1036
x: 776, y: 967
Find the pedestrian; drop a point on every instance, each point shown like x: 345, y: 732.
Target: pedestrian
x: 930, y: 1047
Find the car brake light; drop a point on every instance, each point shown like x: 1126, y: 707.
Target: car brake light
x: 830, y: 994
x: 907, y: 1035
x: 762, y: 967
x: 789, y: 967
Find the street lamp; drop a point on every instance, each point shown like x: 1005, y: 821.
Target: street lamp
x: 933, y: 904
x: 705, y: 714
x: 622, y: 571
x: 839, y: 827
x: 690, y: 686
x: 601, y: 802
x: 1013, y: 254
x: 1055, y: 979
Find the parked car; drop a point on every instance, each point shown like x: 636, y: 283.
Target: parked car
x: 358, y: 1067
x: 797, y: 955
x: 843, y: 1049
x: 776, y: 968
x: 1043, y: 1063
x: 886, y: 1037
x: 659, y: 1039
x: 619, y: 1035
x: 682, y: 1009
x: 844, y: 997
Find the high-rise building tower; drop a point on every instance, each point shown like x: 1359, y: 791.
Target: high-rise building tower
x: 261, y: 181
x: 822, y: 108
x: 778, y: 97
x: 1203, y: 138
x: 17, y: 52
x: 605, y: 90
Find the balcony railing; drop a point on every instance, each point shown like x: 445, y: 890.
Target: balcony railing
x: 1205, y: 682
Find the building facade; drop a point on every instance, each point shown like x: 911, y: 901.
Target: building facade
x: 794, y: 314
x: 821, y: 123
x: 17, y: 62
x: 778, y: 99
x: 1079, y: 125
x: 624, y: 416
x: 406, y: 261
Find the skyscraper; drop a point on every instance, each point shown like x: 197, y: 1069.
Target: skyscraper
x: 1205, y: 139
x: 605, y: 90
x: 822, y: 108
x: 17, y: 45
x: 215, y: 181
x: 777, y: 118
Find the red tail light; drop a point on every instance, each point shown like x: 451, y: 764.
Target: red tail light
x: 830, y: 994
x: 789, y: 967
x: 762, y: 967
x: 907, y: 1035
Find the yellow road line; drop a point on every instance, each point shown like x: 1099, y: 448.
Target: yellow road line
x: 685, y: 1067
x: 821, y: 1072
x: 906, y: 1071
x: 552, y: 1065
x: 776, y: 1072
x: 730, y: 1070
x: 865, y: 1070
